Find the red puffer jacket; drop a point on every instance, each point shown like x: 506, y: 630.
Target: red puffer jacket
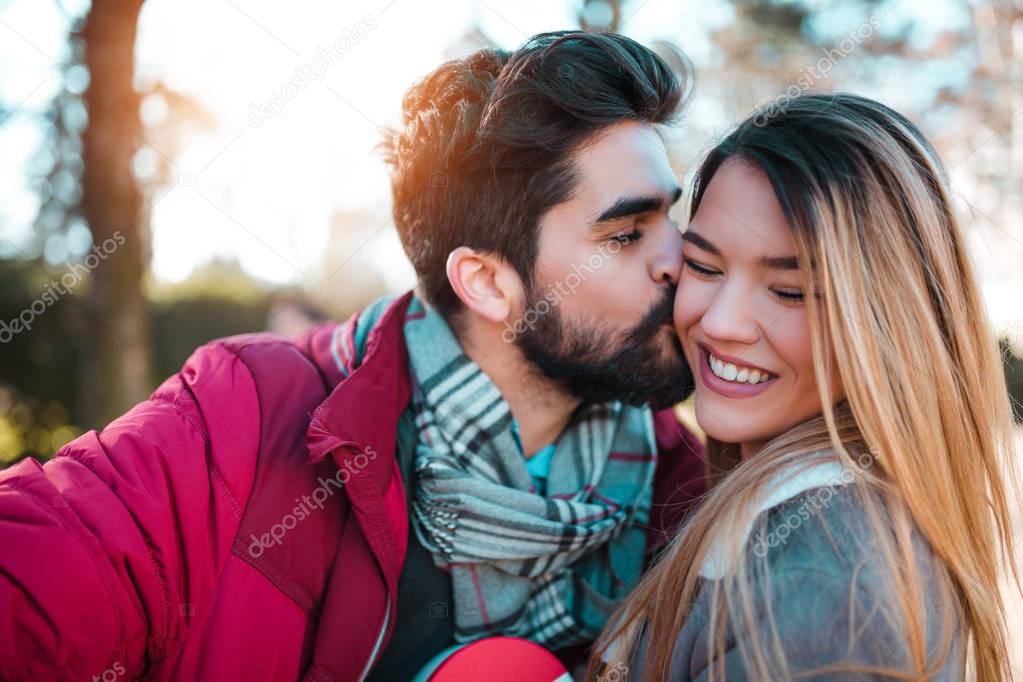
x: 248, y: 521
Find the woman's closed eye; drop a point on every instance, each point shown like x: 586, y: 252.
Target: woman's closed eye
x: 790, y: 295
x: 787, y: 294
x: 700, y: 269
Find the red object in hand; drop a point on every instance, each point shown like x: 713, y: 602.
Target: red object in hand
x: 501, y: 659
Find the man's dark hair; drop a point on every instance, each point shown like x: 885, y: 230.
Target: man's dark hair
x: 485, y: 148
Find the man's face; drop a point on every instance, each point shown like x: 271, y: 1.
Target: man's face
x: 597, y: 317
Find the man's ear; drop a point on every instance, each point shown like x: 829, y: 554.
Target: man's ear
x: 485, y: 283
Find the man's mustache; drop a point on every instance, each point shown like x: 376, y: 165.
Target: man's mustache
x: 659, y: 314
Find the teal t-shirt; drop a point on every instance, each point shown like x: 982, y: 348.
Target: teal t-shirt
x: 539, y: 465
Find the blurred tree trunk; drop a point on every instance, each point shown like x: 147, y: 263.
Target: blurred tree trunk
x: 117, y: 353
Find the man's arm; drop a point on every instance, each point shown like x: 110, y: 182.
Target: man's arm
x: 108, y: 551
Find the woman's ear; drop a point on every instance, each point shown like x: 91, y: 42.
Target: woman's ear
x: 485, y: 283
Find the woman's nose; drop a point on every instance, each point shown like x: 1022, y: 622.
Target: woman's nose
x: 730, y: 317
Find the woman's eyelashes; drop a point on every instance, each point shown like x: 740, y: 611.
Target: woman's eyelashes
x: 700, y: 269
x: 787, y: 294
x: 790, y: 295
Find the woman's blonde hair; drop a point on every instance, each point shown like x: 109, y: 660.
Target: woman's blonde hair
x: 925, y: 422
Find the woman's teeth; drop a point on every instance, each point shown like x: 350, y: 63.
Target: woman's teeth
x: 742, y: 375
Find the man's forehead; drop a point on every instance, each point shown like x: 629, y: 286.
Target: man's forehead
x: 628, y: 158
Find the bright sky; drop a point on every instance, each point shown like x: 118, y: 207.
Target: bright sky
x: 264, y: 189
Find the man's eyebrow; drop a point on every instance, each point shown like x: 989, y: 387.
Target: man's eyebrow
x: 772, y: 262
x: 634, y: 205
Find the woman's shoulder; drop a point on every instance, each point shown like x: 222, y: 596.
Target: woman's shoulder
x: 823, y: 592
x: 821, y: 588
x: 833, y: 530
x: 827, y: 522
x: 833, y: 587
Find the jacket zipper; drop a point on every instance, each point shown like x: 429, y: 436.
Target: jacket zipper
x: 379, y: 642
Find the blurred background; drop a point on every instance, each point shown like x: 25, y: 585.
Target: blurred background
x: 172, y: 172
x: 175, y: 171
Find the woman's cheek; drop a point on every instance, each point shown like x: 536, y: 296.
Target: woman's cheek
x: 691, y: 300
x: 680, y: 311
x: 790, y: 336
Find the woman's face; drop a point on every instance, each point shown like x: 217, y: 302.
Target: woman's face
x: 740, y: 313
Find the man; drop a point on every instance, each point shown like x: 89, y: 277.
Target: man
x: 473, y: 459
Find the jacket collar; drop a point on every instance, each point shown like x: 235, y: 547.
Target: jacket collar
x: 357, y: 426
x: 364, y: 407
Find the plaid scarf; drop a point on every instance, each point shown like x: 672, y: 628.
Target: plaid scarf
x: 547, y: 568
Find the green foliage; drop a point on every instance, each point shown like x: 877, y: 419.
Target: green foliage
x: 182, y: 325
x: 39, y: 380
x: 40, y: 367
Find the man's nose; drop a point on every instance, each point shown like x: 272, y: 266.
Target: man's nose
x: 666, y: 261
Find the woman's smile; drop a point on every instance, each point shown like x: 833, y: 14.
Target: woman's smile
x: 731, y: 377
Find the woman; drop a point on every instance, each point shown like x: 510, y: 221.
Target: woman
x: 856, y: 413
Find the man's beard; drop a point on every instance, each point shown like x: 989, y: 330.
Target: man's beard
x: 599, y: 365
